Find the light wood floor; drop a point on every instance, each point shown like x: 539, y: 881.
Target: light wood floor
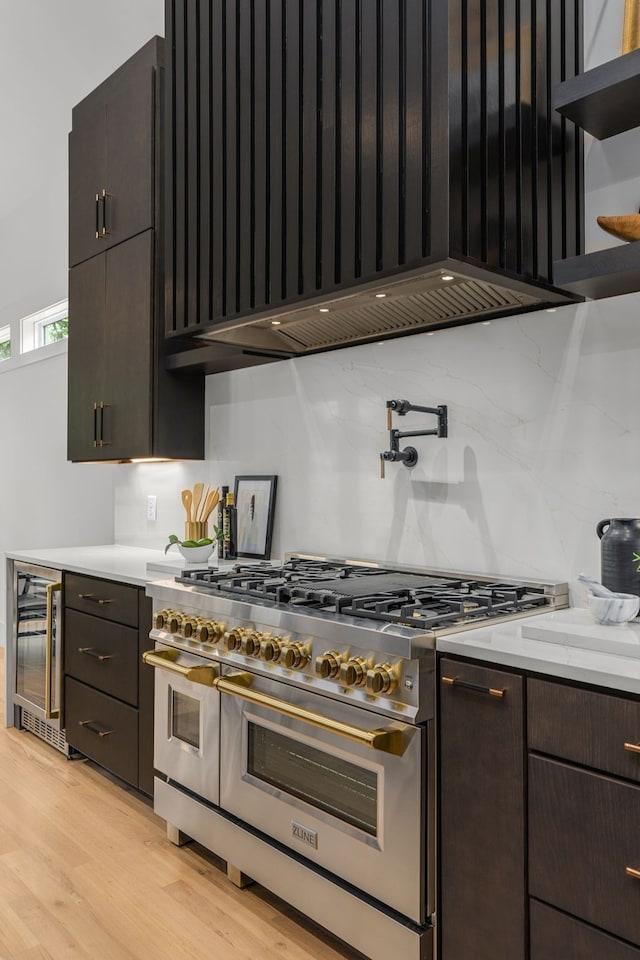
x: 86, y: 873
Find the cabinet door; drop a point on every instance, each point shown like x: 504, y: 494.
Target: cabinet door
x: 126, y: 424
x: 583, y: 836
x: 87, y: 177
x: 85, y: 357
x: 482, y: 814
x: 129, y: 180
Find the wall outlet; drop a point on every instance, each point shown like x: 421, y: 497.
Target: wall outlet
x: 151, y: 507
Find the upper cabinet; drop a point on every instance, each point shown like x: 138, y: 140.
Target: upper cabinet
x: 111, y: 164
x: 340, y: 171
x: 122, y: 403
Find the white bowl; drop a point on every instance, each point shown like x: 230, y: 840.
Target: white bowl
x: 196, y: 554
x: 612, y: 611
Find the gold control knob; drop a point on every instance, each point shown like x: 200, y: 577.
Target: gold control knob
x: 233, y: 638
x: 250, y: 644
x: 188, y: 626
x: 160, y: 619
x: 353, y: 673
x: 174, y: 622
x: 381, y: 679
x: 328, y: 665
x: 270, y: 648
x: 294, y: 656
x: 205, y: 632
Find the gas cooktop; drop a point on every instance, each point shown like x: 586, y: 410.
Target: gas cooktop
x: 427, y: 600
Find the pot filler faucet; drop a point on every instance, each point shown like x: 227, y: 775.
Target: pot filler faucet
x: 409, y: 456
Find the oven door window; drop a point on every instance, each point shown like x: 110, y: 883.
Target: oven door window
x: 337, y: 786
x: 185, y: 719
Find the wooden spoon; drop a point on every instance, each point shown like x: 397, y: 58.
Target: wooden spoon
x: 197, y: 497
x: 211, y: 504
x: 187, y: 500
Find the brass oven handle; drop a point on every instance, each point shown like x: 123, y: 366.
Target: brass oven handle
x: 90, y: 596
x: 90, y: 652
x: 467, y: 685
x: 632, y: 747
x: 89, y: 725
x: 630, y: 872
x: 48, y: 655
x: 165, y: 660
x: 389, y: 740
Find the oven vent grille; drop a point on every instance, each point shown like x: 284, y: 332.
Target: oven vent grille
x: 40, y: 728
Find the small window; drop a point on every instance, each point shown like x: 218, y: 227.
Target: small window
x: 5, y: 343
x: 46, y: 326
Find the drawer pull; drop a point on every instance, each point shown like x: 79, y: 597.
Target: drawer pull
x: 90, y: 596
x: 90, y: 652
x: 632, y: 747
x: 630, y: 872
x: 467, y: 685
x: 90, y: 725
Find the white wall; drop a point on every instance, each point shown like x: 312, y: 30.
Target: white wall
x: 51, y: 56
x: 44, y: 500
x: 543, y: 443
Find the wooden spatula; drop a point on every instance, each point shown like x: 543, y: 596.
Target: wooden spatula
x: 197, y: 497
x: 211, y: 504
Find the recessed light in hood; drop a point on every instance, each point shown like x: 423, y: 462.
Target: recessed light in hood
x: 407, y: 306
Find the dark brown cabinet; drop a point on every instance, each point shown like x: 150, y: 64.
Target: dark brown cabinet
x: 111, y: 163
x: 108, y: 699
x: 482, y: 813
x: 122, y: 403
x: 584, y: 809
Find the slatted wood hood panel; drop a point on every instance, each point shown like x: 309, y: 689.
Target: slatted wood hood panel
x: 323, y: 153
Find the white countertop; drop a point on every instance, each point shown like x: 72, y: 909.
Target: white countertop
x: 567, y: 644
x: 110, y: 561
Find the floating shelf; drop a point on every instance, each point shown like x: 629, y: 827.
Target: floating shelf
x: 604, y: 273
x: 603, y: 101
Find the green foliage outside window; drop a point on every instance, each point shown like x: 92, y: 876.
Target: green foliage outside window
x: 5, y: 349
x: 58, y: 330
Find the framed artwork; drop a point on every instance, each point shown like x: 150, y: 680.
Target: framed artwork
x: 255, y: 501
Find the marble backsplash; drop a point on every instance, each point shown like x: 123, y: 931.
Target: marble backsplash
x: 543, y: 442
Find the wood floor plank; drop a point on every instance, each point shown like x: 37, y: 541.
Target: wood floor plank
x: 87, y: 873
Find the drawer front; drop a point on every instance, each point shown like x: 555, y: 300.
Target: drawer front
x: 583, y: 835
x: 102, y: 598
x: 103, y: 654
x: 103, y: 729
x: 585, y: 727
x: 555, y: 936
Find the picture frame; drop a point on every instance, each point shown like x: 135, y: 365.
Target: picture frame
x: 255, y: 499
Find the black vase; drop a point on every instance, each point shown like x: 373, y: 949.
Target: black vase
x: 620, y: 555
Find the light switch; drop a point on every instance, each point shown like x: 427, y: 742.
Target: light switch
x: 151, y: 506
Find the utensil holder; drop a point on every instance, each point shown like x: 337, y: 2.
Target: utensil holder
x: 196, y: 529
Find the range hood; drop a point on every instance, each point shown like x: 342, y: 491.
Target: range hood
x: 342, y: 171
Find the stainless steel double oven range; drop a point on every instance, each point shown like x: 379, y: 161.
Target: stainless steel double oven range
x: 295, y: 730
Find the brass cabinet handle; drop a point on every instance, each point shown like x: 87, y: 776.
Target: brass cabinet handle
x: 49, y: 712
x: 389, y: 740
x: 165, y: 660
x: 97, y: 216
x: 90, y: 725
x: 467, y: 685
x: 630, y: 872
x: 632, y: 747
x: 90, y: 596
x: 90, y: 652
